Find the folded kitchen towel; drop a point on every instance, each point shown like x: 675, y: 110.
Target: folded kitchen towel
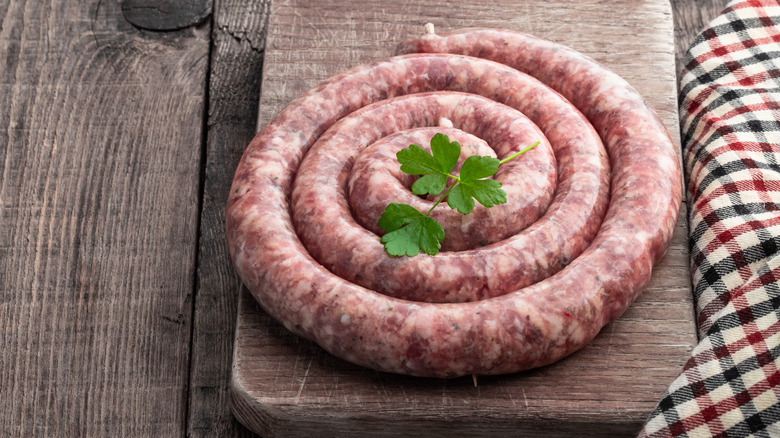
x: 730, y: 119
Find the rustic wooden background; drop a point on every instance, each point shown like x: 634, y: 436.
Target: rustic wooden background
x: 120, y: 125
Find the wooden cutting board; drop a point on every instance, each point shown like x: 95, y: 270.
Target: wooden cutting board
x: 285, y: 386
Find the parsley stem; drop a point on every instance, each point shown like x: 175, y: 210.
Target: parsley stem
x: 428, y: 213
x: 517, y: 154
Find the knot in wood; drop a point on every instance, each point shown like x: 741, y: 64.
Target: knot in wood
x: 165, y: 15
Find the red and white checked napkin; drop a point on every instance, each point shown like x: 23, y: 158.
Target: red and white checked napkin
x: 730, y: 118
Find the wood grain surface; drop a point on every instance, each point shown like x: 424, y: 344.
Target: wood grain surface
x: 283, y: 386
x: 100, y: 134
x: 234, y: 91
x: 104, y: 331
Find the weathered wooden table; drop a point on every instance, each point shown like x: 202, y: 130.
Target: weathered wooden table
x: 120, y: 126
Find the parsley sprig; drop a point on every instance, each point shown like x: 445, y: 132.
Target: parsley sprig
x: 408, y: 230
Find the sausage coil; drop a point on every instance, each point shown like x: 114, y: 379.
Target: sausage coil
x: 590, y: 210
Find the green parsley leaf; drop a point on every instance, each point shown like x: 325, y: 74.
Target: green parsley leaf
x: 409, y: 231
x: 476, y: 167
x: 417, y: 161
x: 397, y: 215
x: 472, y: 186
x: 435, y: 167
x: 433, y: 184
x: 445, y: 151
x: 487, y: 191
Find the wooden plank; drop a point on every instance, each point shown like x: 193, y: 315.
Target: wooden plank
x: 285, y: 386
x: 100, y: 142
x: 238, y: 37
x: 690, y: 18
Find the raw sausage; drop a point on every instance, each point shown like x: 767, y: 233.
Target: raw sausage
x: 323, y: 221
x: 376, y: 180
x: 520, y: 328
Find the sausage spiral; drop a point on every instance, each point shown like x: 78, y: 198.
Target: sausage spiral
x: 595, y: 206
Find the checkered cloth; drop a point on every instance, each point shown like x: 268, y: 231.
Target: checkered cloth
x: 730, y: 118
